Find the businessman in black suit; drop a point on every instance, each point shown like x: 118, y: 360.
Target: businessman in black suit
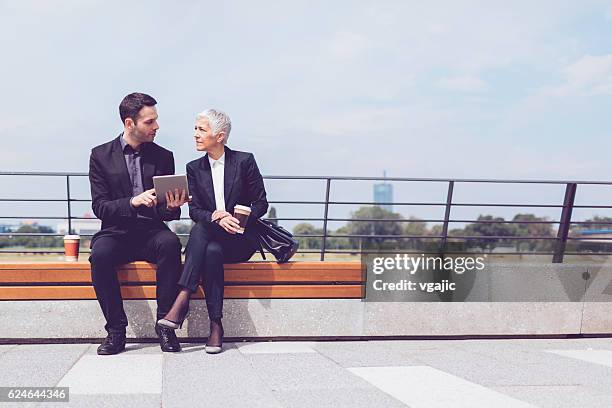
x: 121, y: 178
x: 218, y: 182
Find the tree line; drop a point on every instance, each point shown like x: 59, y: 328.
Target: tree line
x: 487, y: 234
x: 32, y: 241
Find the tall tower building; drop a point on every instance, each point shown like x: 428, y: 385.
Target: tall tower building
x: 383, y: 193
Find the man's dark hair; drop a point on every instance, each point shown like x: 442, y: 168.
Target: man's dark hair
x: 133, y: 103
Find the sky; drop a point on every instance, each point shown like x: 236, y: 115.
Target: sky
x: 472, y: 89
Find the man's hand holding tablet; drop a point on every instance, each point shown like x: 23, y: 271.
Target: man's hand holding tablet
x: 175, y: 199
x: 172, y: 189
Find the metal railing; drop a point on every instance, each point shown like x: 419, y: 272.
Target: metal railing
x: 566, y: 207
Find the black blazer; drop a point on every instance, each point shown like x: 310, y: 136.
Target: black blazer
x: 242, y: 182
x: 111, y: 188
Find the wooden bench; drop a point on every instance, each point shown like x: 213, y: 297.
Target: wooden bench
x: 251, y: 280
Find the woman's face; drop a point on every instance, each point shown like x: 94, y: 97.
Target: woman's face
x: 203, y: 135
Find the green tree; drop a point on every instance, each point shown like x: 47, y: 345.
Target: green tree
x: 436, y: 229
x: 596, y: 222
x: 533, y: 230
x: 305, y: 228
x: 339, y: 242
x: 487, y: 231
x: 415, y: 227
x: 34, y: 241
x: 390, y: 227
x: 454, y: 244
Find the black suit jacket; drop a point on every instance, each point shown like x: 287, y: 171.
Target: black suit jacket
x: 111, y: 188
x: 243, y: 184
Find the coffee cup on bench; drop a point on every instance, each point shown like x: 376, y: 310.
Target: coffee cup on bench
x: 71, y: 247
x: 241, y: 213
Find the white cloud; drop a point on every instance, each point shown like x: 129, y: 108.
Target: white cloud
x: 347, y: 45
x: 462, y: 83
x: 589, y: 69
x: 609, y: 14
x: 335, y: 70
x: 589, y: 75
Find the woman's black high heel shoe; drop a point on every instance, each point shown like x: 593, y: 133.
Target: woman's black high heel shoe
x: 171, y: 324
x: 215, y: 349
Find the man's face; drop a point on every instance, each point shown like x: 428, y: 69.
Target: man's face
x: 145, y: 127
x: 204, y: 138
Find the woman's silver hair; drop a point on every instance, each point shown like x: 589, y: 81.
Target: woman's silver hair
x: 218, y: 121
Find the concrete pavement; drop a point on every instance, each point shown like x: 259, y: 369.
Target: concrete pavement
x: 392, y: 373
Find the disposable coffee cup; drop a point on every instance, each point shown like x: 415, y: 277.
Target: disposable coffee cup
x: 71, y: 247
x: 241, y: 213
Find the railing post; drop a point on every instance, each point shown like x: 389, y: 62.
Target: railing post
x: 325, y: 219
x: 564, y: 222
x: 68, y: 202
x: 449, y: 200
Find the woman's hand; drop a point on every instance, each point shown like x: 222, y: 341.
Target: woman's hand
x: 218, y: 214
x: 229, y: 224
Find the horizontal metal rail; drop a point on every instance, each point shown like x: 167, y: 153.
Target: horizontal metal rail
x: 565, y: 205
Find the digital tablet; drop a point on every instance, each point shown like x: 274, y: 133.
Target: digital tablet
x: 163, y: 184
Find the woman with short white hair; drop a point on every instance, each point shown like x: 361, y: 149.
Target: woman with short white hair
x: 218, y: 181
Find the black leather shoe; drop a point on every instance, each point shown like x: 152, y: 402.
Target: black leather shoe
x: 167, y: 339
x: 113, y: 343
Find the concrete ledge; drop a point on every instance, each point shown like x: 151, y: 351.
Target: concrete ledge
x: 248, y: 318
x: 568, y: 299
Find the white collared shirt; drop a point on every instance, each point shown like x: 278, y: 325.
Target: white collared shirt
x: 217, y: 168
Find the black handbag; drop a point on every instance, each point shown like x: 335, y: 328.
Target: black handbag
x: 276, y: 240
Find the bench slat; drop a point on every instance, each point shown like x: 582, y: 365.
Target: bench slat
x: 148, y: 292
x: 148, y: 276
x: 141, y: 265
x: 66, y: 280
x: 142, y: 272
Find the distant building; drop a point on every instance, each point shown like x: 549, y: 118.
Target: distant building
x: 595, y: 240
x: 7, y: 228
x: 383, y: 193
x: 88, y: 226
